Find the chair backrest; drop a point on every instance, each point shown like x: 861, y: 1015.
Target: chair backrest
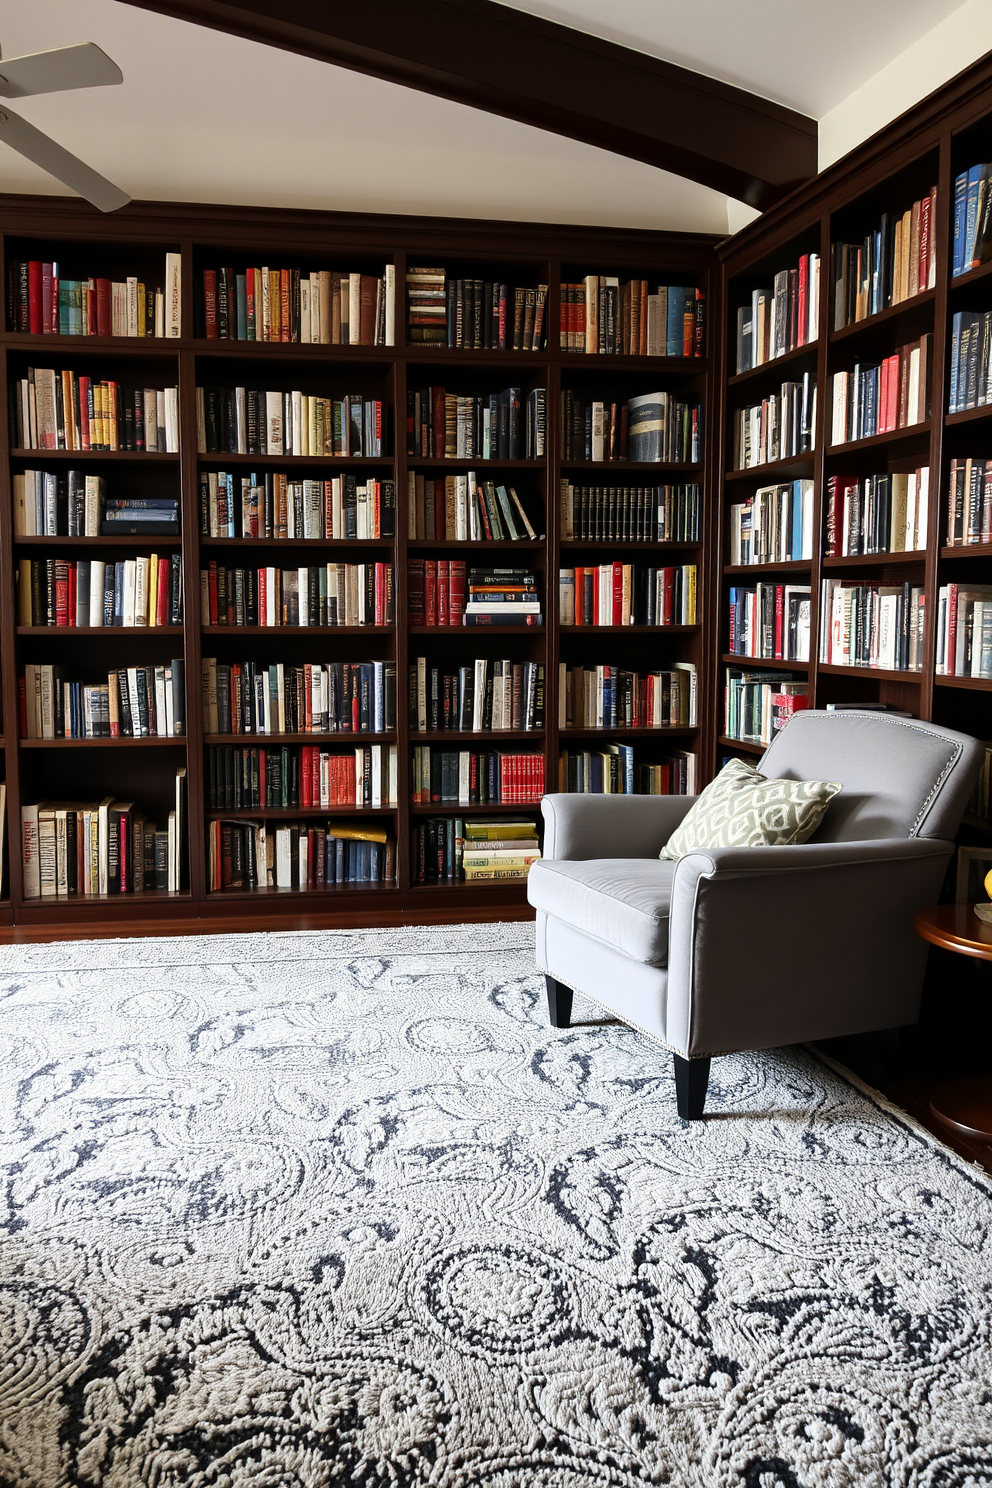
x: 901, y: 777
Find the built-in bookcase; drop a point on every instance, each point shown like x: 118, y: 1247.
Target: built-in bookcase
x: 865, y: 194
x: 385, y: 368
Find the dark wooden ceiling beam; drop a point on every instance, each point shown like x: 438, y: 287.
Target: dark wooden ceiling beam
x: 493, y: 57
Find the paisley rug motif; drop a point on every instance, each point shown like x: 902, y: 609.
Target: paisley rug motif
x: 341, y: 1210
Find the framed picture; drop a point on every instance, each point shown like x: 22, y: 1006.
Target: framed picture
x: 974, y: 863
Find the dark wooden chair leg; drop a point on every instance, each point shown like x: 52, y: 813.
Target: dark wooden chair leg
x: 691, y: 1078
x: 559, y: 1003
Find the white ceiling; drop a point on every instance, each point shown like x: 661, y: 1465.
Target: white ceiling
x: 206, y: 117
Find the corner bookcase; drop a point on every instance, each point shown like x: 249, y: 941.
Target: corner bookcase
x: 135, y: 242
x: 928, y: 147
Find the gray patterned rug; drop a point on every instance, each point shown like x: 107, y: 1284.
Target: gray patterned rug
x: 341, y: 1211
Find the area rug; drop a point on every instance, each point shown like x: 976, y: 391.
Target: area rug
x: 341, y: 1210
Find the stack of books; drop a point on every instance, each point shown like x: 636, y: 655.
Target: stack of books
x: 42, y: 302
x: 270, y: 504
x: 782, y: 318
x: 427, y: 306
x: 653, y: 428
x: 461, y: 508
x: 72, y: 848
x: 892, y: 264
x: 305, y: 776
x: 336, y: 697
x: 465, y: 777
x: 877, y: 514
x: 972, y: 235
x: 770, y: 622
x: 502, y: 596
x: 339, y: 309
x: 70, y: 411
x: 610, y: 697
x: 140, y: 516
x: 964, y: 631
x: 137, y: 702
x: 756, y: 704
x: 775, y: 525
x: 622, y: 594
x: 969, y: 503
x: 971, y: 360
x: 630, y: 513
x: 780, y: 427
x: 484, y: 426
x: 502, y: 849
x: 333, y: 594
x: 867, y: 623
x: 601, y: 316
x: 253, y: 421
x: 248, y: 855
x: 883, y: 396
x: 145, y: 591
x: 486, y: 696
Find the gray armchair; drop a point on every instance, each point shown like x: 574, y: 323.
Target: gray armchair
x: 755, y: 947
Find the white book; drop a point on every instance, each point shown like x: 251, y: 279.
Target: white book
x: 598, y: 417
x: 30, y: 852
x: 304, y: 308
x: 173, y: 294
x: 142, y: 570
x: 297, y: 407
x: 284, y: 858
x: 159, y: 313
x: 130, y: 580
x: 98, y: 570
x: 170, y: 419
x: 273, y: 423
x: 390, y: 289
x: 241, y: 420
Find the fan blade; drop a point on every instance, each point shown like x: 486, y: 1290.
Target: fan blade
x: 71, y: 171
x: 82, y: 66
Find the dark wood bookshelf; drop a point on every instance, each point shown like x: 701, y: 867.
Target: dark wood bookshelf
x: 210, y: 236
x: 882, y: 317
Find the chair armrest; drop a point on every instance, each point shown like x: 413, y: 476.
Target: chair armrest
x: 780, y: 945
x: 578, y: 826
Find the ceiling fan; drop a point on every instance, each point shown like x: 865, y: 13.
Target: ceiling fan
x: 65, y: 68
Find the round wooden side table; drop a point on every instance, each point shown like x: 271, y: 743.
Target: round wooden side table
x: 965, y: 1103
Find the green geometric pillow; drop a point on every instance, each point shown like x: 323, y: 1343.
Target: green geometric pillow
x: 743, y: 808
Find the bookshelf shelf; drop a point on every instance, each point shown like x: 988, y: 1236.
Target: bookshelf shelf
x: 973, y: 276
x: 654, y: 366
x: 894, y: 312
x: 743, y: 570
x: 151, y: 631
x: 475, y: 630
x: 452, y: 463
x: 613, y: 545
x: 875, y: 560
x: 750, y: 746
x: 455, y: 544
x: 297, y: 630
x: 640, y: 467
x: 296, y: 462
x: 336, y: 544
x: 293, y: 813
x: 968, y: 416
x: 571, y: 630
x: 575, y: 731
x: 794, y: 466
x: 311, y: 897
x: 971, y: 684
x: 969, y: 550
x: 138, y: 544
x: 455, y: 808
x: 171, y: 741
x: 273, y: 741
x: 882, y: 673
x: 914, y: 434
x: 759, y: 663
x: 769, y: 369
x: 482, y: 736
x: 146, y: 457
x: 509, y: 888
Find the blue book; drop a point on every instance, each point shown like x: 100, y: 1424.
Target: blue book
x: 956, y: 325
x: 241, y: 302
x: 960, y: 198
x: 796, y: 533
x: 676, y: 312
x: 971, y: 216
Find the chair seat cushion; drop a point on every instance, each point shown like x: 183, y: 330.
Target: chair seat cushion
x: 622, y: 901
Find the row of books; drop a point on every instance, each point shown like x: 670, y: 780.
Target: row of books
x: 610, y: 770
x: 484, y: 426
x: 487, y: 695
x: 475, y: 777
x: 867, y: 623
x: 971, y: 360
x: 301, y: 776
x: 255, y: 421
x: 271, y: 504
x: 461, y: 508
x: 325, y: 594
x: 450, y: 849
x: 44, y: 302
x: 608, y: 696
x: 334, y: 697
x: 971, y: 240
x: 243, y: 856
x: 71, y: 411
x: 755, y: 704
x: 71, y: 848
x: 964, y: 631
x: 324, y: 306
x: 145, y: 591
x: 775, y: 525
x: 474, y: 314
x: 436, y: 591
x: 781, y: 318
x: 877, y: 513
x: 602, y: 316
x: 653, y: 428
x: 882, y: 396
x: 71, y: 503
x: 895, y: 262
x: 630, y: 513
x: 624, y: 594
x: 135, y: 702
x: 769, y: 621
x: 780, y: 427
x: 969, y: 503
x: 444, y: 592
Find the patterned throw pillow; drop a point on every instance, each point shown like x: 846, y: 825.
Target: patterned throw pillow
x: 743, y: 808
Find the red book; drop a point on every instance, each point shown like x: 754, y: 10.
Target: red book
x: 71, y: 594
x: 923, y: 267
x: 49, y: 299
x: 667, y: 607
x: 430, y: 591
x: 163, y: 595
x: 457, y: 590
x: 437, y: 420
x: 35, y: 324
x: 104, y: 317
x: 61, y: 592
x: 803, y: 299
x: 250, y: 302
x: 443, y: 592
x: 616, y: 613
x: 307, y: 795
x: 212, y: 590
x: 285, y: 306
x: 380, y: 594
x: 780, y: 622
x: 210, y: 303
x: 415, y: 591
